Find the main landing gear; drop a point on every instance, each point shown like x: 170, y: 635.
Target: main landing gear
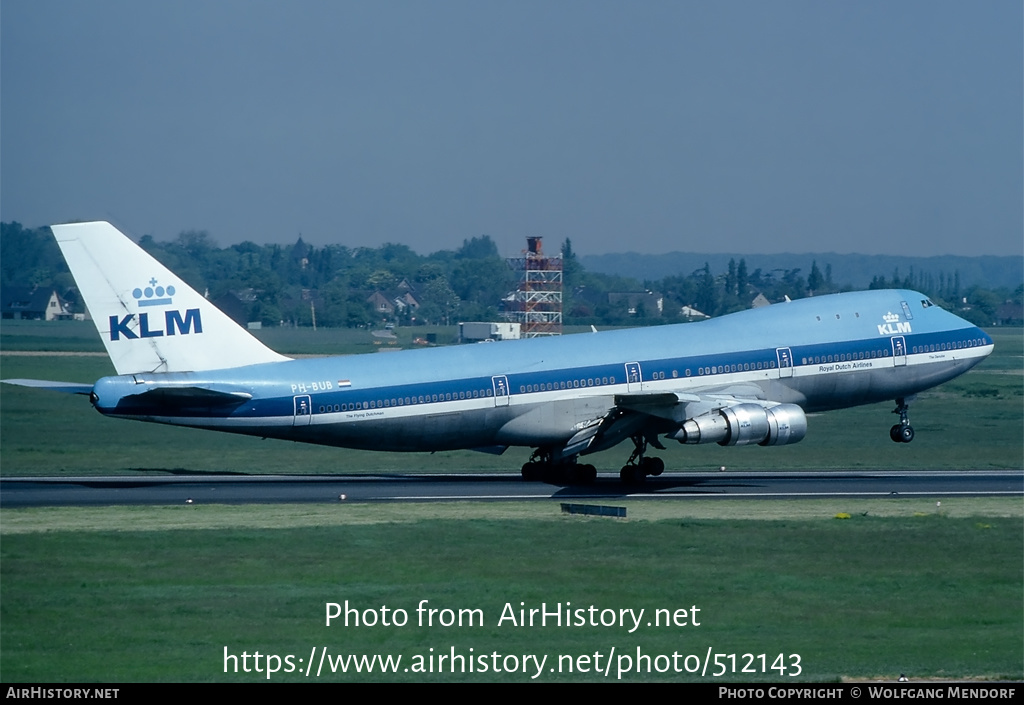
x: 542, y: 469
x: 902, y: 432
x: 638, y: 467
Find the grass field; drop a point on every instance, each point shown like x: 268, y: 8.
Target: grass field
x: 151, y: 594
x: 159, y: 593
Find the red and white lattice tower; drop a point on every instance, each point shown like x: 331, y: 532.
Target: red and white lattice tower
x: 537, y: 302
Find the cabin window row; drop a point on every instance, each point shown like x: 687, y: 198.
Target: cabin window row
x: 845, y: 357
x: 591, y: 382
x: 940, y: 347
x: 738, y: 367
x: 406, y: 401
x: 572, y: 384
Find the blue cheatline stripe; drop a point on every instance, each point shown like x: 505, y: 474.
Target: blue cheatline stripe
x: 351, y: 398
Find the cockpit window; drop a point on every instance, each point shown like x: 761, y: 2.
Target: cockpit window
x: 925, y: 303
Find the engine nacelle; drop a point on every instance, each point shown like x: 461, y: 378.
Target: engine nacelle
x: 788, y: 424
x: 745, y: 424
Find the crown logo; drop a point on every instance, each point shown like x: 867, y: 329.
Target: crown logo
x: 153, y: 295
x: 891, y: 317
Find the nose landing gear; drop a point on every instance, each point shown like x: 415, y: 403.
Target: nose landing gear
x: 902, y: 432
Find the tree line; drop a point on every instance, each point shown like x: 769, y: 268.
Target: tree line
x: 333, y: 284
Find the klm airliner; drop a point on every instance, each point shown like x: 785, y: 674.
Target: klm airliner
x: 749, y: 377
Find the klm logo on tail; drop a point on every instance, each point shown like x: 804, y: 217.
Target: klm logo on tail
x: 155, y: 295
x: 174, y: 321
x: 190, y: 323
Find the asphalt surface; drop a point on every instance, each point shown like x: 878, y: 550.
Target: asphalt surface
x: 234, y: 489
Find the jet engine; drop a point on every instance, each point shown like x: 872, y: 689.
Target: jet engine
x: 745, y: 424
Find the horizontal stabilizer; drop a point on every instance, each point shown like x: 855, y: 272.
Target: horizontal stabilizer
x: 66, y: 387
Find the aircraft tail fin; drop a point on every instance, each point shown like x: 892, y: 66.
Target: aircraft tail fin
x: 149, y: 319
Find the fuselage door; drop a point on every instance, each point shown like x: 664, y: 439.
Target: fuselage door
x: 303, y: 410
x: 899, y: 351
x: 634, y: 377
x: 500, y: 390
x: 785, y: 357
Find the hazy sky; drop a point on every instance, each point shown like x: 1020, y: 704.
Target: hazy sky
x: 741, y: 126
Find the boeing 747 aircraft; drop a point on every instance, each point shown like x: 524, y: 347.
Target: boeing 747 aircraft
x: 745, y: 378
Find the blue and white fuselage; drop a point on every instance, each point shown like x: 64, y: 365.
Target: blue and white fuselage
x: 748, y: 377
x: 822, y: 353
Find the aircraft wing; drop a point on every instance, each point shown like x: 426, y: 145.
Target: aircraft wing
x: 678, y: 407
x: 734, y: 414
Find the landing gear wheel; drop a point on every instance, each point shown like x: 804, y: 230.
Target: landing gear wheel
x: 632, y: 475
x: 533, y: 472
x: 652, y: 466
x: 902, y: 432
x: 638, y: 467
x: 585, y: 474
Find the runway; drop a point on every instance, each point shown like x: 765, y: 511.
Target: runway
x: 235, y: 489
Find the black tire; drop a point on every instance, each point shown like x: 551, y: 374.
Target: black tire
x: 532, y: 472
x: 907, y: 434
x: 896, y: 433
x: 632, y: 475
x: 654, y: 466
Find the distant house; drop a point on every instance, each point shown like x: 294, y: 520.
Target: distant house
x: 395, y: 301
x: 690, y: 313
x: 38, y: 304
x: 381, y: 303
x: 1010, y: 314
x: 650, y: 302
x: 759, y: 301
x: 407, y: 299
